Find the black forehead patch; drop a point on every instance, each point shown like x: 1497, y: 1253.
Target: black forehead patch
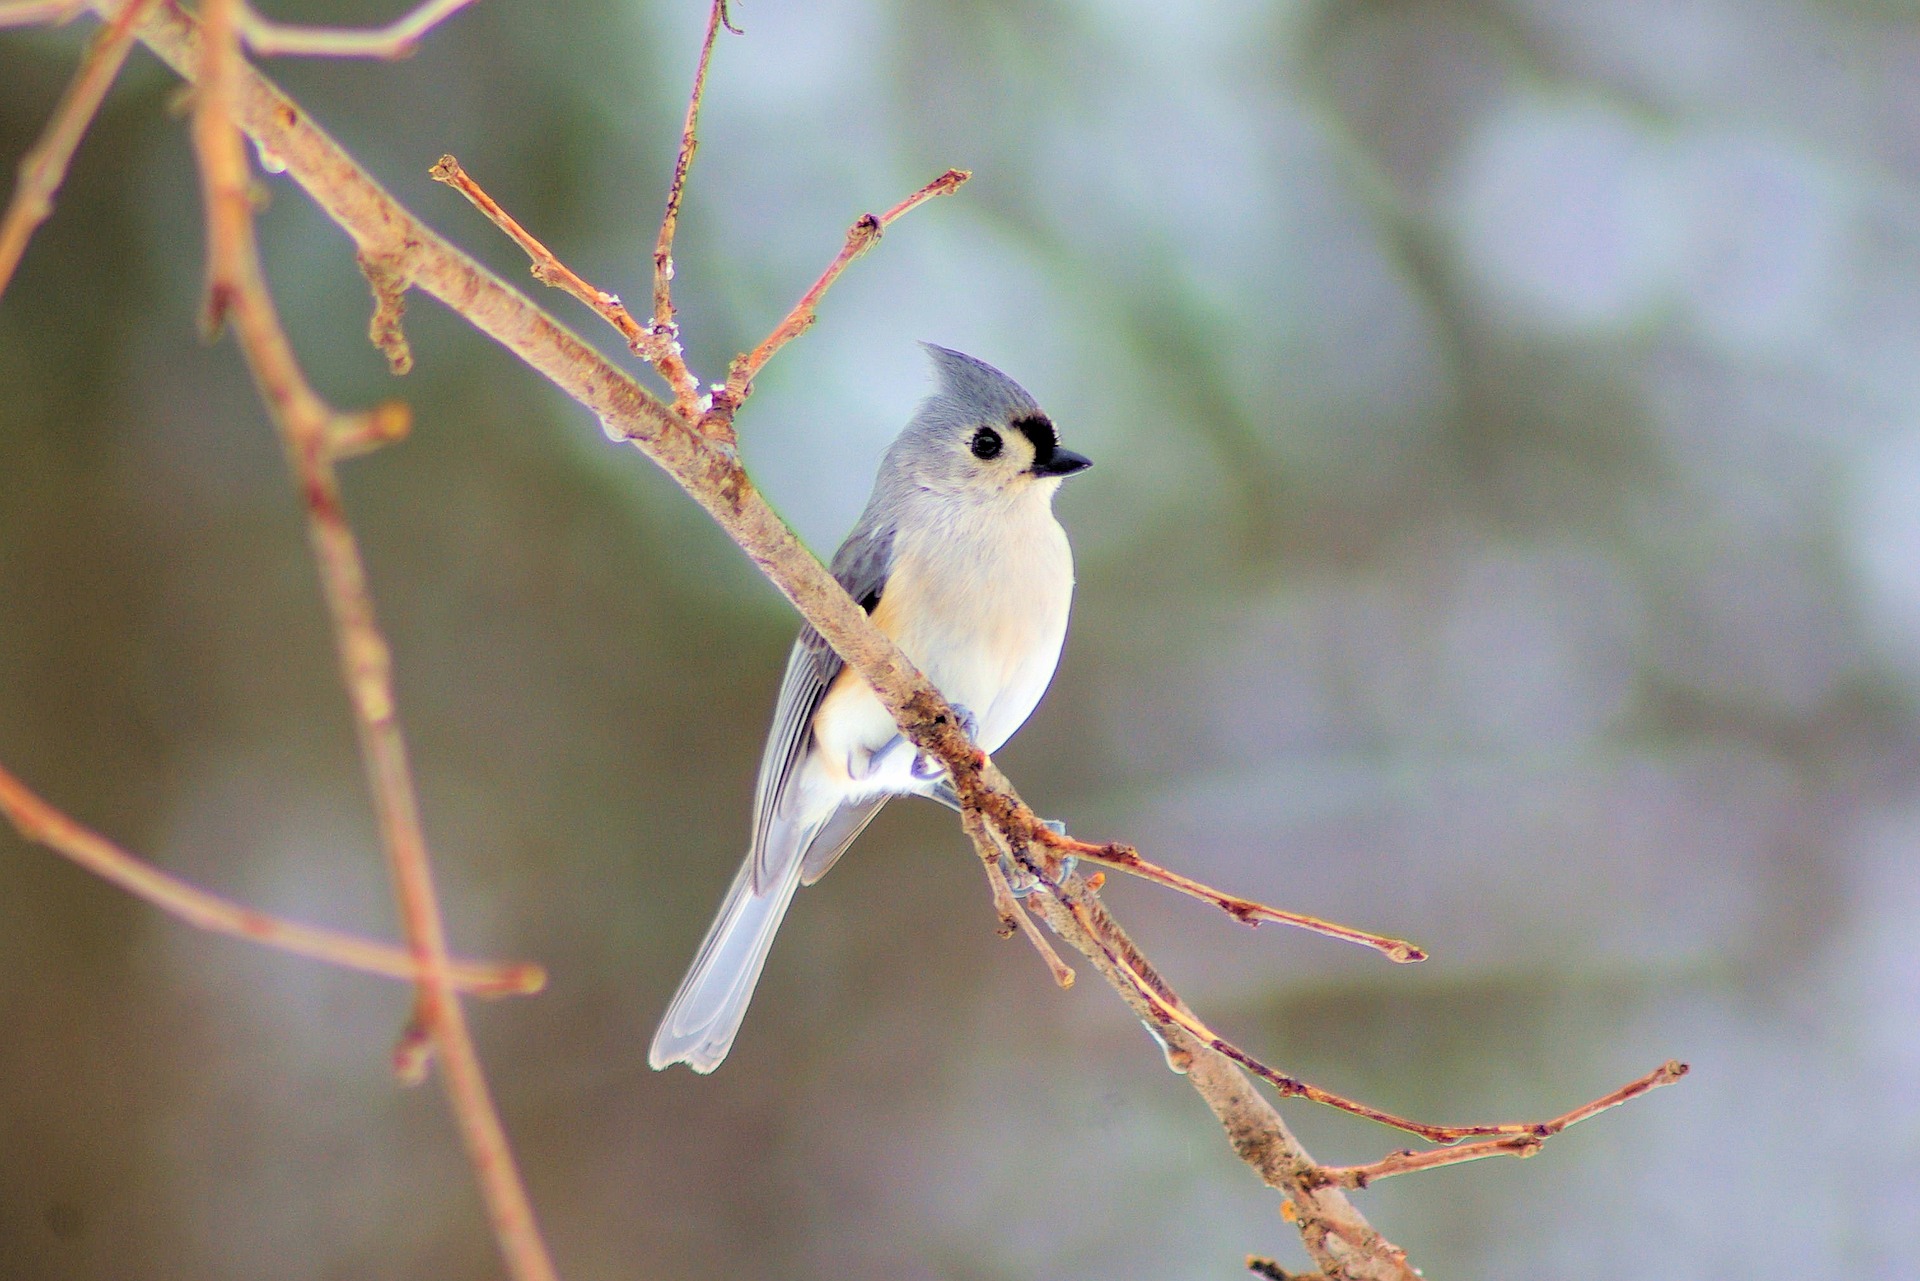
x: 1039, y: 430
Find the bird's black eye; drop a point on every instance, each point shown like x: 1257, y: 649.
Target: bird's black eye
x: 986, y: 443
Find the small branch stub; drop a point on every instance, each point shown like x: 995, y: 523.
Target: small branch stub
x: 389, y: 285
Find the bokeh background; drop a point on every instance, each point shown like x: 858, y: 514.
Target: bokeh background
x: 1505, y: 533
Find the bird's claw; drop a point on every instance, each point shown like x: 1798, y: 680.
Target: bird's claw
x: 925, y: 769
x: 1023, y: 882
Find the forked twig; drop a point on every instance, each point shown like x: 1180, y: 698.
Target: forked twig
x: 44, y: 168
x: 1127, y: 859
x: 236, y: 289
x: 991, y: 846
x: 1407, y: 1161
x: 547, y: 268
x: 42, y: 824
x: 398, y: 39
x: 1173, y: 1012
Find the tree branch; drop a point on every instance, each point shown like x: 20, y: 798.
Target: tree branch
x: 398, y: 39
x: 44, y: 168
x: 41, y: 823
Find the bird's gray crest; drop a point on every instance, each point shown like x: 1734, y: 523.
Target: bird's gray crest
x: 980, y: 391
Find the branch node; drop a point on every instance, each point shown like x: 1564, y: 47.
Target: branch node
x: 413, y: 1053
x: 350, y: 435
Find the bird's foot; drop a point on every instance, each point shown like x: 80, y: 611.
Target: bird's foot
x: 923, y: 768
x: 1024, y: 882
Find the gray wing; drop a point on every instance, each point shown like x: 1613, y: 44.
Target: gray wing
x: 838, y: 832
x: 861, y: 566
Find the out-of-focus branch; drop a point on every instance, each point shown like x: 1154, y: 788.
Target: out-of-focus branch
x: 42, y: 824
x: 1340, y: 1240
x: 44, y: 168
x: 312, y: 435
x: 398, y: 39
x: 40, y: 13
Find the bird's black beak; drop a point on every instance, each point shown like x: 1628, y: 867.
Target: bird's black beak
x: 1063, y: 462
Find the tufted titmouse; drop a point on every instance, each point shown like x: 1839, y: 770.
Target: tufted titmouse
x: 958, y: 558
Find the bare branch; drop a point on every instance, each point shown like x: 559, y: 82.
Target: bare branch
x: 547, y: 269
x: 41, y: 823
x: 991, y: 847
x: 1407, y: 1161
x: 44, y: 168
x: 1127, y: 859
x: 1341, y: 1242
x: 311, y: 433
x: 862, y: 236
x: 41, y: 13
x: 398, y: 39
x: 669, y: 359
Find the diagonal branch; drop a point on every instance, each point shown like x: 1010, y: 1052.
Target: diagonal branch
x: 1522, y: 1145
x: 44, y: 168
x: 42, y: 824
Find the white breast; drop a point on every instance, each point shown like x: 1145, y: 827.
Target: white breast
x: 980, y: 604
x: 978, y: 599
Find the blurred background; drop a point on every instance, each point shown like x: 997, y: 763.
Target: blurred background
x: 1505, y: 533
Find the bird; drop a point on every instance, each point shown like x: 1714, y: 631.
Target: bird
x: 959, y: 559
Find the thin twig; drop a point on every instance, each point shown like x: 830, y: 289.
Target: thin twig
x: 44, y: 168
x: 41, y: 823
x: 547, y: 268
x: 1127, y: 859
x: 668, y: 357
x: 236, y: 289
x: 1407, y: 1161
x: 1343, y: 1244
x: 862, y: 236
x: 398, y: 39
x: 1170, y: 1011
x: 990, y: 846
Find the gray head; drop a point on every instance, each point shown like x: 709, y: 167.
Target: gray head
x: 979, y: 433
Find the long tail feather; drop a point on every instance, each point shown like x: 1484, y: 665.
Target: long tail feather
x: 705, y: 1015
